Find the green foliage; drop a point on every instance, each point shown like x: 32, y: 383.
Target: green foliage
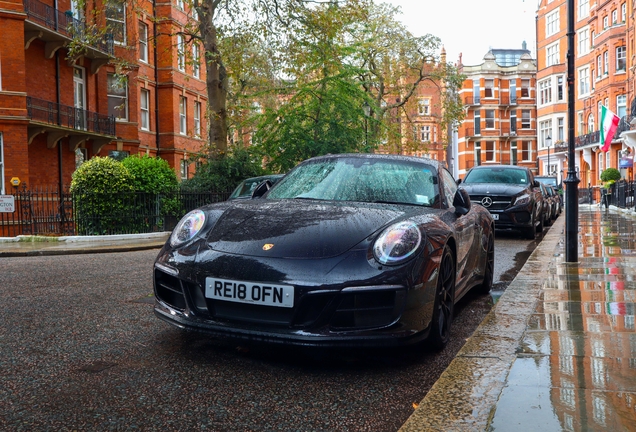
x: 226, y: 171
x: 151, y: 174
x: 154, y: 176
x: 102, y: 189
x: 610, y: 174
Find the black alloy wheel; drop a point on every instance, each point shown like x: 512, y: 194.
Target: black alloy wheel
x: 489, y: 270
x: 444, y: 302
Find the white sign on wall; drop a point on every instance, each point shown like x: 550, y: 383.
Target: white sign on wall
x: 7, y: 203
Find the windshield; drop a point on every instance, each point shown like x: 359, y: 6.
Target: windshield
x: 552, y: 181
x: 497, y: 175
x: 361, y: 179
x: 246, y: 187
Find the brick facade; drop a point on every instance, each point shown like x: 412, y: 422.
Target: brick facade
x: 52, y: 106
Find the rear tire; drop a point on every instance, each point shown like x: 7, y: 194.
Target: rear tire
x: 444, y: 302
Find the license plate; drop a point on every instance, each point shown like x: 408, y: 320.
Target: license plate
x: 265, y: 294
x: 495, y: 216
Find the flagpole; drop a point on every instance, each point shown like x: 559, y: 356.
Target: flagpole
x: 572, y: 181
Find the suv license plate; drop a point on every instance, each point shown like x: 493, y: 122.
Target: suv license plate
x: 495, y: 216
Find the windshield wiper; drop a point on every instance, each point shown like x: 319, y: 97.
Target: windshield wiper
x: 395, y: 202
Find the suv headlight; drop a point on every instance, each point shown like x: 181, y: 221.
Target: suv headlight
x: 188, y: 227
x: 522, y: 199
x: 397, y: 243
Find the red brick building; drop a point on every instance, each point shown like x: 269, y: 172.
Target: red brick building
x: 60, y: 105
x: 601, y: 79
x: 499, y: 97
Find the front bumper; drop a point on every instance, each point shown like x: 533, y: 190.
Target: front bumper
x: 380, y: 308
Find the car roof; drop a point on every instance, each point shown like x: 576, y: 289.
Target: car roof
x: 417, y: 159
x: 499, y: 166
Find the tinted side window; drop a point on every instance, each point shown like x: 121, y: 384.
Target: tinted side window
x: 449, y: 186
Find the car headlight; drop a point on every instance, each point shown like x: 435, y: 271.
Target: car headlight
x: 397, y: 243
x: 522, y: 199
x: 188, y: 227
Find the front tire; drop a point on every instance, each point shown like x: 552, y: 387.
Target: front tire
x: 444, y: 302
x: 486, y: 285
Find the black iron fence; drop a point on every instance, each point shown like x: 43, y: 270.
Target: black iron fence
x: 49, y: 211
x: 620, y: 194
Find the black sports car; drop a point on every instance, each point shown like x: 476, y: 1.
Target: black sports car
x: 346, y: 250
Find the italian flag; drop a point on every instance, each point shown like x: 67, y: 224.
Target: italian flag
x: 609, y: 124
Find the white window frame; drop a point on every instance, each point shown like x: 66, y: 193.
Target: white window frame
x: 606, y: 63
x: 144, y: 107
x: 526, y: 149
x: 583, y: 9
x: 424, y: 107
x: 197, y: 119
x: 143, y: 42
x: 183, y: 169
x: 183, y: 115
x: 552, y: 55
x: 425, y: 133
x: 180, y: 4
x: 614, y: 17
x: 605, y: 22
x: 584, y: 42
x: 489, y: 119
x: 196, y: 66
x: 552, y: 23
x: 489, y: 88
x: 621, y: 105
x: 545, y: 91
x: 490, y: 151
x: 545, y: 131
x: 117, y: 20
x: 526, y: 119
x: 181, y: 52
x: 623, y: 12
x: 560, y: 88
x: 583, y: 75
x: 122, y: 97
x: 621, y: 54
x: 560, y: 129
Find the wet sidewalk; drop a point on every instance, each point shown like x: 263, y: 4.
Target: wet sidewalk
x: 40, y: 245
x: 558, y: 351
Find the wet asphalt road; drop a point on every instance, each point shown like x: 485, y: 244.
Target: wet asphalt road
x: 80, y: 349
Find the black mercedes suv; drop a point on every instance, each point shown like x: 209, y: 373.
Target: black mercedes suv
x: 510, y: 193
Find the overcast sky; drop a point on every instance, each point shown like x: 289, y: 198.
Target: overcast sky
x: 471, y: 27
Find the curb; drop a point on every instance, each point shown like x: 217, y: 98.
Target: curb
x: 465, y: 395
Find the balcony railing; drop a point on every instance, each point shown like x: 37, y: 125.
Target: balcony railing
x: 65, y: 24
x: 595, y: 137
x: 69, y: 117
x: 472, y: 100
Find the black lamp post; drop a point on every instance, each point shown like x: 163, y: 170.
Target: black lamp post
x: 548, y: 143
x: 572, y: 180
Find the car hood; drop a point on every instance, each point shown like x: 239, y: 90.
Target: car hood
x: 298, y: 228
x: 493, y: 189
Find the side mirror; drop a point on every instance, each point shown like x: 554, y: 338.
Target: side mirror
x: 536, y: 183
x: 458, y: 181
x: 262, y: 189
x: 461, y: 202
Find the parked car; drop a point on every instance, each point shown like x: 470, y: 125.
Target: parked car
x: 557, y: 200
x: 246, y: 188
x: 549, y: 211
x: 346, y: 250
x: 549, y: 180
x: 509, y: 193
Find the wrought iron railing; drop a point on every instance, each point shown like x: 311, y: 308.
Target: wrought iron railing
x: 70, y: 117
x: 65, y: 23
x: 45, y: 210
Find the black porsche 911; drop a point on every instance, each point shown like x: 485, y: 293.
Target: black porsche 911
x: 346, y: 250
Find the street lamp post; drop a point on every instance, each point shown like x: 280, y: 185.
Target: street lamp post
x: 548, y: 143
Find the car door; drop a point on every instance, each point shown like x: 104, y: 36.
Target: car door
x: 466, y: 233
